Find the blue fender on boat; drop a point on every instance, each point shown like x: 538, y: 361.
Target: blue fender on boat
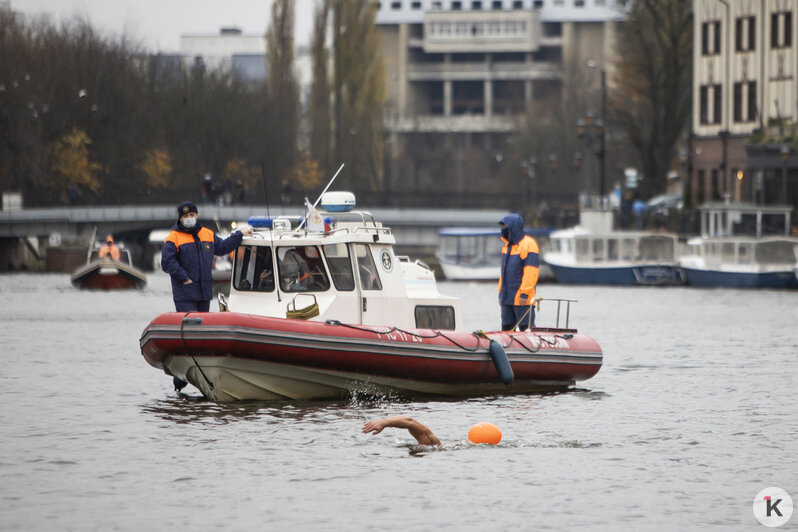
x: 501, y: 362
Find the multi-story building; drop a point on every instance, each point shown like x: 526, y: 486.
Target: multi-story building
x: 745, y: 101
x: 230, y: 49
x: 460, y: 72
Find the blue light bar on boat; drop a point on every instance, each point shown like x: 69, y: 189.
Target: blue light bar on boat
x: 260, y: 222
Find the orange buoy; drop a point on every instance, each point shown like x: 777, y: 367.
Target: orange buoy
x: 485, y: 433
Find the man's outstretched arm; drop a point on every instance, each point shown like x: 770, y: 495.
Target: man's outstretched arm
x: 420, y: 432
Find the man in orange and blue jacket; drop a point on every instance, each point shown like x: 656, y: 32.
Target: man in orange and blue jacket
x: 187, y: 257
x: 519, y: 274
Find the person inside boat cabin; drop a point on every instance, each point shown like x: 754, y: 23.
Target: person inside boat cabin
x: 187, y: 257
x: 109, y: 249
x: 518, y: 275
x: 420, y: 432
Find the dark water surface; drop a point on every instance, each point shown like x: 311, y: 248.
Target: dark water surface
x: 693, y: 413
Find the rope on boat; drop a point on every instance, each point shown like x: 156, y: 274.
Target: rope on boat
x: 477, y: 334
x: 423, y: 336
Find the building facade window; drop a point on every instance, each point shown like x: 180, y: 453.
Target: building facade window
x: 710, y: 37
x: 710, y: 104
x: 781, y: 29
x: 745, y: 109
x: 752, y: 107
x: 738, y: 102
x: 745, y: 34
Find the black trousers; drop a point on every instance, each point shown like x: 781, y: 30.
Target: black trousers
x: 193, y: 306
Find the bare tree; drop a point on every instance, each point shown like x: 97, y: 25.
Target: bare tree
x: 283, y: 90
x: 319, y: 105
x: 358, y: 93
x: 652, y: 101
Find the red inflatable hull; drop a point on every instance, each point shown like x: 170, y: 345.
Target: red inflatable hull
x: 231, y: 356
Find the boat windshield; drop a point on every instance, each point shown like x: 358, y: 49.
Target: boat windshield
x: 253, y: 269
x: 340, y: 266
x: 367, y: 270
x: 302, y: 269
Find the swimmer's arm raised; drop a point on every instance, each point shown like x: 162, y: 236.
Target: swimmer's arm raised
x: 420, y: 432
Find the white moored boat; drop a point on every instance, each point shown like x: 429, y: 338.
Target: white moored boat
x: 744, y: 246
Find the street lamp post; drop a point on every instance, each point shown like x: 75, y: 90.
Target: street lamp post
x: 785, y: 155
x: 588, y: 129
x: 529, y: 170
x: 578, y: 167
x: 725, y: 184
x: 602, y: 153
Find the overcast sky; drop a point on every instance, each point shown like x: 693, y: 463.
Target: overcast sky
x: 158, y: 24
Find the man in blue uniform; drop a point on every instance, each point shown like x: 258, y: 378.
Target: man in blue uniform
x: 187, y: 257
x: 519, y: 274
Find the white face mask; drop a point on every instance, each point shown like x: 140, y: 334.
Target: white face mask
x: 189, y: 222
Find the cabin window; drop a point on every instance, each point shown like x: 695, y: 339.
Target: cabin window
x: 612, y: 249
x: 449, y: 247
x: 628, y: 249
x: 434, y: 317
x: 598, y: 251
x: 253, y: 269
x: 366, y: 269
x: 656, y: 248
x: 777, y: 252
x: 301, y: 269
x: 583, y: 249
x: 727, y: 252
x: 340, y: 266
x: 744, y: 253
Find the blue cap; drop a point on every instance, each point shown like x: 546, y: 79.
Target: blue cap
x: 186, y: 207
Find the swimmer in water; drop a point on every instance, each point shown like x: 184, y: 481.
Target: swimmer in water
x: 420, y: 432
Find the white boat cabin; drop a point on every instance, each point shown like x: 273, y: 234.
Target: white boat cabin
x: 743, y: 237
x: 742, y: 253
x: 344, y: 263
x: 720, y: 219
x: 580, y: 247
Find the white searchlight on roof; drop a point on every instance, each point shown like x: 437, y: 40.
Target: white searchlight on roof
x: 338, y: 201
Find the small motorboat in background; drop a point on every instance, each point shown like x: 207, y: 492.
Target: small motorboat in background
x: 106, y: 273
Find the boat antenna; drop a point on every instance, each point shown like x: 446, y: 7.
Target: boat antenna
x: 322, y: 193
x: 91, y: 243
x: 271, y: 230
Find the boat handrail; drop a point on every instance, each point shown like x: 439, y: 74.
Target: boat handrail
x: 343, y: 230
x: 559, y: 304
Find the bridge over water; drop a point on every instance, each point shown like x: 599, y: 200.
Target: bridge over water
x: 36, y: 229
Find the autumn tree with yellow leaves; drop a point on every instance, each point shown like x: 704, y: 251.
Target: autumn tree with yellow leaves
x: 71, y: 164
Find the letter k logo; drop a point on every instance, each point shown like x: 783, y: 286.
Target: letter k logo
x: 772, y: 506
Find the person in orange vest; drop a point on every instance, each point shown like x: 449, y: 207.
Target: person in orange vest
x: 109, y: 249
x: 187, y: 256
x: 519, y: 274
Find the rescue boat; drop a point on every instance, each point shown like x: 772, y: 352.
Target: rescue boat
x: 342, y: 314
x: 105, y: 273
